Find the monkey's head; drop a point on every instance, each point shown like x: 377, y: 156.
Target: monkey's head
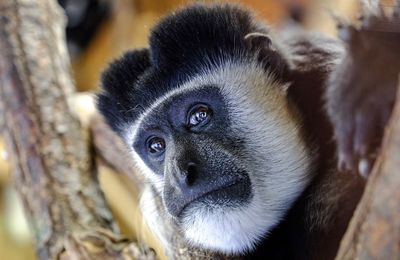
x: 206, y: 115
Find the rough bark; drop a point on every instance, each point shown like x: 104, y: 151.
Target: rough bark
x: 53, y: 169
x: 374, y: 232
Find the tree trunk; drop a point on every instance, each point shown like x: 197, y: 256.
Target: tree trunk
x: 53, y: 169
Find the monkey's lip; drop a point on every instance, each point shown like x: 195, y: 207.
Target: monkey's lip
x: 229, y: 192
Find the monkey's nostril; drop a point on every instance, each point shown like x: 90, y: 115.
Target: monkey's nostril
x: 191, y: 174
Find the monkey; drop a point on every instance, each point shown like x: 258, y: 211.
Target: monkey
x: 232, y: 125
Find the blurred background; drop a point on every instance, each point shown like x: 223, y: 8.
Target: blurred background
x: 100, y: 30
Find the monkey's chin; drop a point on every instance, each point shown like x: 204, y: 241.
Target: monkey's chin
x: 229, y: 231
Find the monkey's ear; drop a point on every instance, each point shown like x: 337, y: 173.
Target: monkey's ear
x: 268, y: 55
x: 256, y: 40
x: 119, y: 83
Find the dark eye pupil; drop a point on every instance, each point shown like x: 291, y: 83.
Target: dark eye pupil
x: 199, y: 116
x: 156, y: 145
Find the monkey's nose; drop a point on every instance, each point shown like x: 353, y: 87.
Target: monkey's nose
x: 187, y: 176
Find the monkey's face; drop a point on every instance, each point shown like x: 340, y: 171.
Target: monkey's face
x: 225, y: 153
x: 194, y: 158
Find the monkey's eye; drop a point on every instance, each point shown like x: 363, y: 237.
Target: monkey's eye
x: 199, y: 115
x: 155, y: 145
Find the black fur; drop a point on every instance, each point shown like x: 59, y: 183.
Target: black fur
x: 117, y: 102
x: 202, y: 35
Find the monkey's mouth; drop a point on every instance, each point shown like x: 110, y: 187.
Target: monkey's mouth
x: 232, y: 194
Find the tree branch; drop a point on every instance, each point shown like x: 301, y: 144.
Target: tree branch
x: 53, y: 170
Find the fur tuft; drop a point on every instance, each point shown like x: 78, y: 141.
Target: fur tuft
x: 119, y: 84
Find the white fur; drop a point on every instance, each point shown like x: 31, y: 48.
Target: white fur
x: 279, y: 161
x: 153, y: 215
